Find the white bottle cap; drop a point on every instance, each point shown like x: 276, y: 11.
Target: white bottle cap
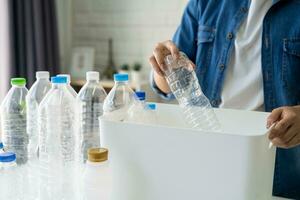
x: 42, y: 74
x: 92, y: 76
x: 68, y: 77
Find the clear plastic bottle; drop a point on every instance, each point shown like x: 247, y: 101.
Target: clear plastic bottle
x: 34, y: 97
x: 90, y: 103
x: 13, y: 115
x: 1, y: 148
x: 151, y: 113
x: 9, y: 179
x: 70, y: 88
x: 57, y: 128
x: 96, y: 178
x: 184, y: 84
x: 119, y: 99
x: 141, y: 95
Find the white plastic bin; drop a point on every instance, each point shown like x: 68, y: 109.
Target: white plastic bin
x: 167, y: 161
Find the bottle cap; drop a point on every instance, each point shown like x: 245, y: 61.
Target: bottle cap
x: 58, y: 79
x: 68, y: 76
x: 151, y: 106
x: 42, y: 74
x: 18, y: 81
x: 121, y: 77
x: 97, y: 154
x: 141, y: 95
x: 92, y: 76
x: 1, y: 145
x: 7, y: 157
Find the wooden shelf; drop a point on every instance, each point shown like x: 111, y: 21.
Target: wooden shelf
x: 106, y: 84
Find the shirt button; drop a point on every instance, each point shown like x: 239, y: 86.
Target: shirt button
x: 222, y: 67
x: 214, y: 103
x: 229, y: 35
x: 244, y: 10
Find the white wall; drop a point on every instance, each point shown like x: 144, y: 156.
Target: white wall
x: 135, y: 26
x: 4, y: 49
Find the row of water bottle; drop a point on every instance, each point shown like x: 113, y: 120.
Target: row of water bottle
x: 50, y: 128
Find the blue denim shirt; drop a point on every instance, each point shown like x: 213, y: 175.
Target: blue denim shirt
x: 206, y: 34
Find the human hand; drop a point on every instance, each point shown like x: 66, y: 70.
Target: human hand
x: 286, y: 132
x: 157, y: 59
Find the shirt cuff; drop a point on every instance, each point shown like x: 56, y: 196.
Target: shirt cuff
x: 165, y: 96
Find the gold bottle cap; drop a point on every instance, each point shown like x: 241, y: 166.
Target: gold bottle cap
x: 97, y: 154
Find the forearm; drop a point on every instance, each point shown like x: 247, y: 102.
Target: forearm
x: 161, y: 83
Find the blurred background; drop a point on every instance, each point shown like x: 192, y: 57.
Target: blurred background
x: 75, y: 36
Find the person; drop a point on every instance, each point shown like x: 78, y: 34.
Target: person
x: 247, y: 56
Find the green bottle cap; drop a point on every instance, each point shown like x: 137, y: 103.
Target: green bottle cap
x: 18, y: 81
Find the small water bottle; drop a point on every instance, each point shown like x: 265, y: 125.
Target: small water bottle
x: 70, y: 88
x: 57, y: 128
x: 2, y: 148
x: 137, y: 113
x: 9, y: 179
x: 151, y: 113
x: 13, y: 115
x: 34, y: 97
x: 141, y: 95
x: 119, y: 99
x: 90, y: 103
x: 184, y: 84
x: 96, y: 179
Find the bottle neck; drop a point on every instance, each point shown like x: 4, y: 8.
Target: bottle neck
x: 42, y: 79
x: 93, y: 81
x: 6, y: 165
x: 121, y: 82
x: 96, y: 164
x: 58, y: 85
x: 18, y: 86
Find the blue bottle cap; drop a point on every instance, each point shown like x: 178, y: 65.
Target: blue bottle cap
x: 7, y: 157
x: 1, y: 145
x: 141, y: 95
x: 151, y: 106
x: 58, y: 79
x: 121, y: 77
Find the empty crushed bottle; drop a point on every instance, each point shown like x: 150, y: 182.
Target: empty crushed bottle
x: 90, y: 104
x: 13, y: 115
x: 184, y: 84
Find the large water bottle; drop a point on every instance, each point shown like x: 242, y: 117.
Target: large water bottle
x: 9, y: 177
x: 119, y: 99
x: 57, y: 128
x: 13, y: 115
x: 70, y: 88
x: 34, y: 97
x: 184, y: 84
x: 90, y: 104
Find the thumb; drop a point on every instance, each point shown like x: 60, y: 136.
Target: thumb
x: 193, y: 65
x: 274, y: 116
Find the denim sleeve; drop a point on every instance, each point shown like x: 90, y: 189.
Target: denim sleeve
x: 168, y: 96
x: 185, y: 37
